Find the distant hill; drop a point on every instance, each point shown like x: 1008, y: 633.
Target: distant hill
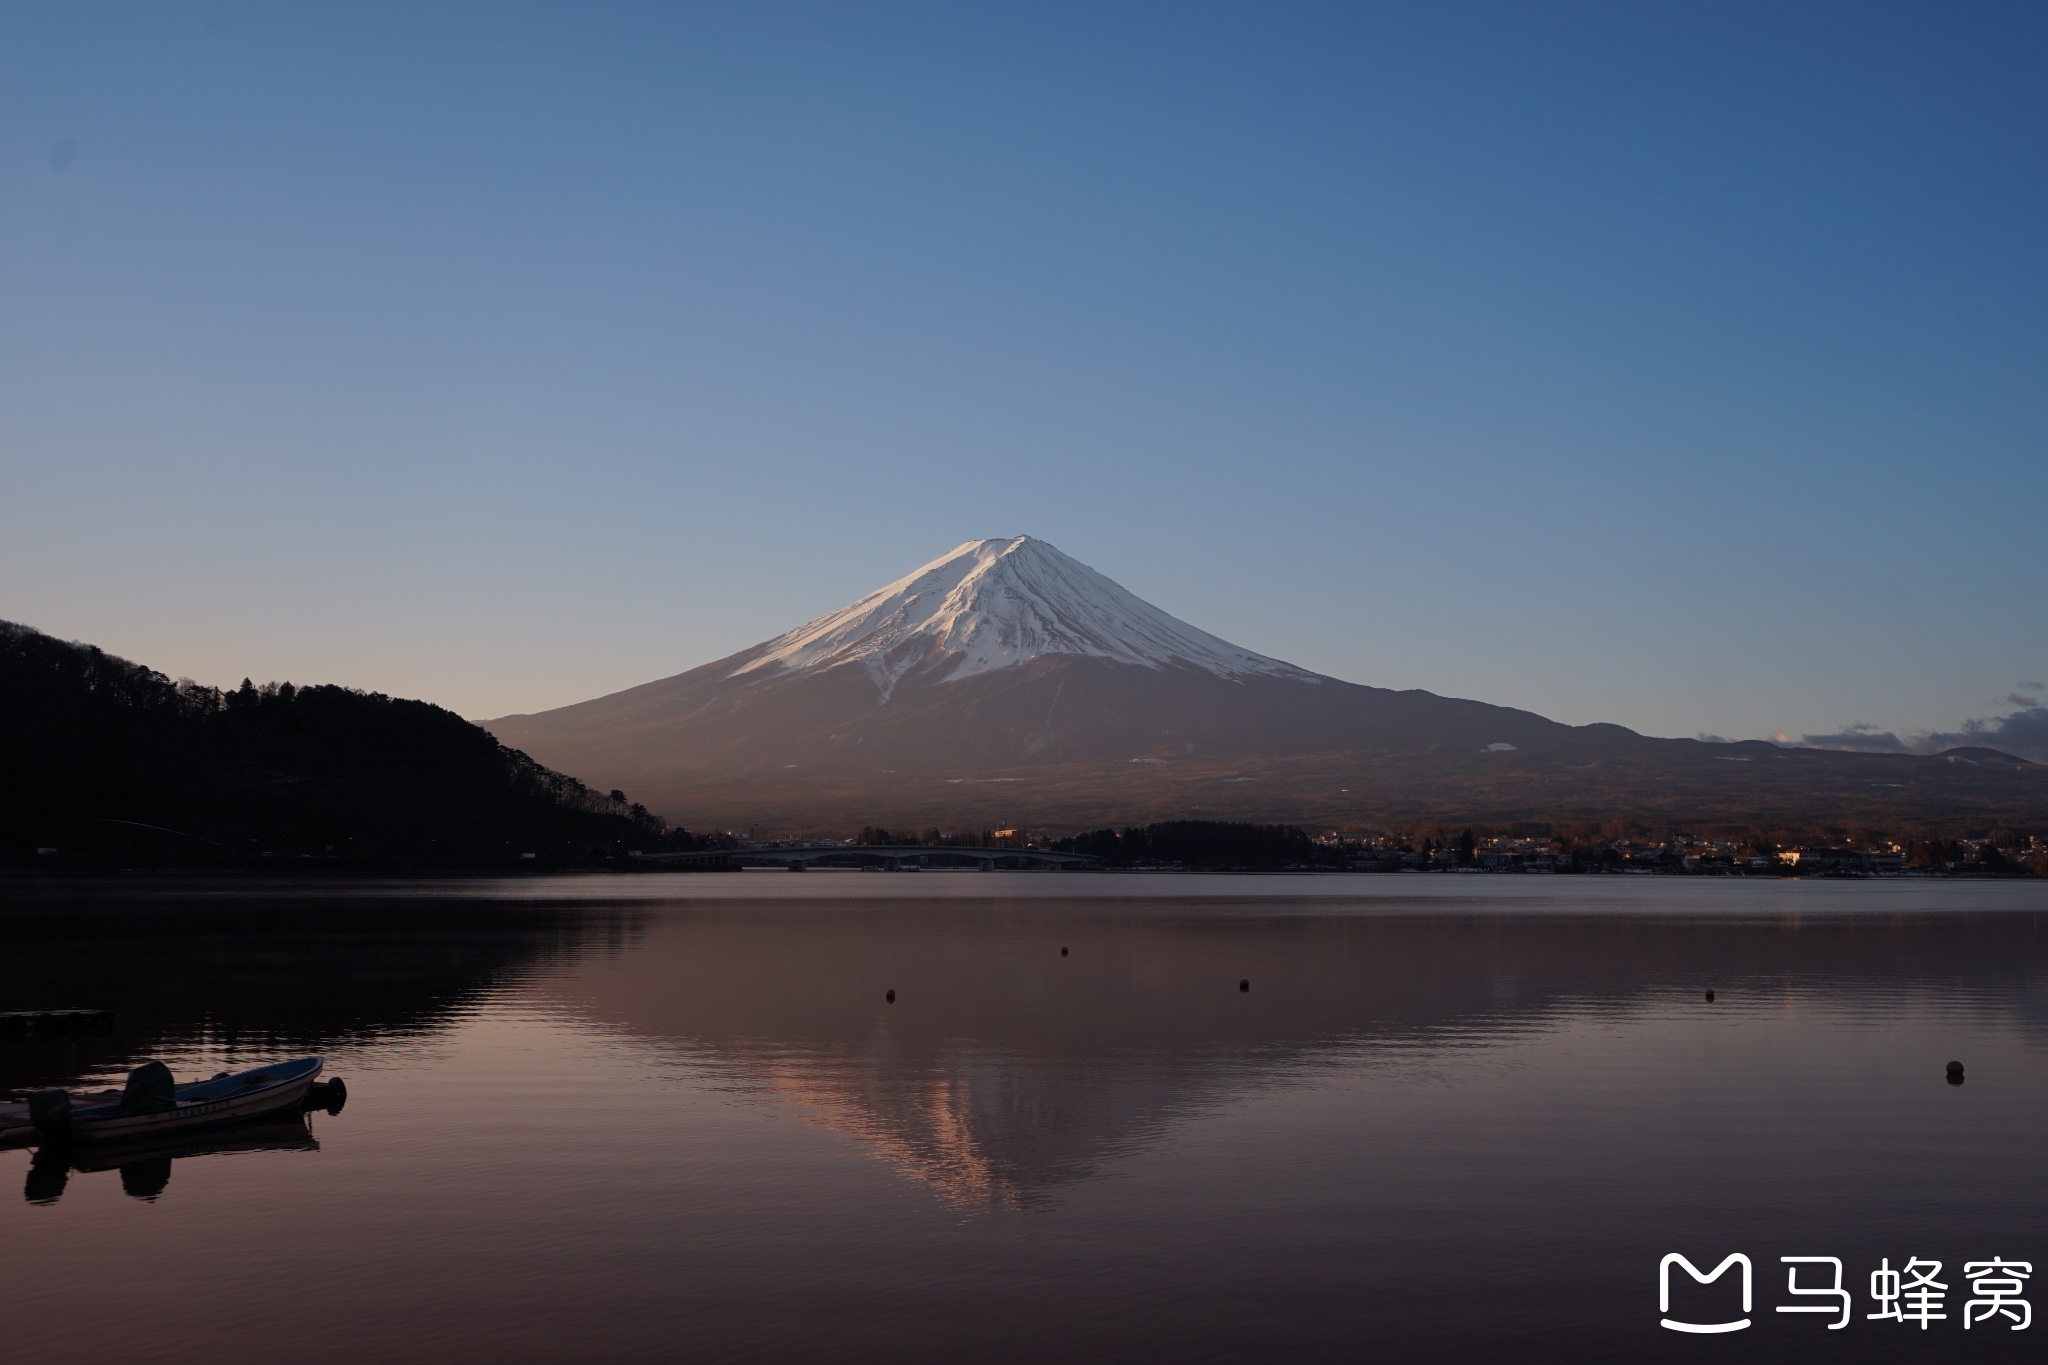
x: 1007, y: 683
x: 109, y: 761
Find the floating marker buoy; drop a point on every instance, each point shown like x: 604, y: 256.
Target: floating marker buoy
x: 1955, y: 1071
x: 1710, y: 997
x: 1244, y: 985
x: 889, y: 996
x: 1063, y: 952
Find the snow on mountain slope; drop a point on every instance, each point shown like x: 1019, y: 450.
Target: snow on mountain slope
x: 993, y: 603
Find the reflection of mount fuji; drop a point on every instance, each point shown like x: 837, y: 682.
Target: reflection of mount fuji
x: 1003, y: 1070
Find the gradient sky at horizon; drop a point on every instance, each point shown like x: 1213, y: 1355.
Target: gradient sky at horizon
x: 1680, y: 365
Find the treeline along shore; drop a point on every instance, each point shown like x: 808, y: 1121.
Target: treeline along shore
x: 111, y: 764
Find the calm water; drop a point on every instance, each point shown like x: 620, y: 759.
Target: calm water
x: 675, y: 1118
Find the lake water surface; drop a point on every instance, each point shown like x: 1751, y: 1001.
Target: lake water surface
x: 676, y: 1118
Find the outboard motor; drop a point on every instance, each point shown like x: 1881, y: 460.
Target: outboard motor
x: 329, y: 1094
x: 50, y: 1112
x: 150, y: 1090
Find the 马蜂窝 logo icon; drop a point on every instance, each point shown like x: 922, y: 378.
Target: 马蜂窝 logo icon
x: 1909, y: 1294
x: 1664, y: 1292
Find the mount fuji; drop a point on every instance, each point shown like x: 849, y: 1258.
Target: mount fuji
x: 994, y: 604
x: 1007, y: 682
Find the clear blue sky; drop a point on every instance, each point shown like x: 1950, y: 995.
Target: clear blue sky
x: 1681, y: 366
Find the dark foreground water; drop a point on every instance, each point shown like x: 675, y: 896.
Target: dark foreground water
x: 1456, y: 1118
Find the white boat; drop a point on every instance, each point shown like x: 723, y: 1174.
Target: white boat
x: 152, y: 1106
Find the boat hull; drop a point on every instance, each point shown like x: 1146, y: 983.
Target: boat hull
x: 203, y: 1109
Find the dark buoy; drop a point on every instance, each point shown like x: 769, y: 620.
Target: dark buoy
x: 889, y: 996
x: 1063, y: 952
x: 1710, y: 997
x: 1244, y: 985
x: 1955, y: 1073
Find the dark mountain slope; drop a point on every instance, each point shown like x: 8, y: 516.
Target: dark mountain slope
x: 106, y: 760
x: 1050, y: 711
x: 1070, y: 742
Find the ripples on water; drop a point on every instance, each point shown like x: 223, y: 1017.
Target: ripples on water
x: 669, y: 1118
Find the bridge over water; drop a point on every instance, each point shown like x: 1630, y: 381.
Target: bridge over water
x: 888, y: 857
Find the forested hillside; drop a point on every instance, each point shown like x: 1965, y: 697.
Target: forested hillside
x: 107, y: 761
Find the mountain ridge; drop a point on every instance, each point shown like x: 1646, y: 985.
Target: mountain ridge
x: 1005, y: 681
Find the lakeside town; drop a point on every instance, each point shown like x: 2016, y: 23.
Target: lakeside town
x: 1220, y: 846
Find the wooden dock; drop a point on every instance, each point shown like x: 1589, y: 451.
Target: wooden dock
x: 53, y: 1023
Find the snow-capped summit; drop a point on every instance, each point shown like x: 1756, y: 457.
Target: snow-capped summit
x: 990, y: 604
